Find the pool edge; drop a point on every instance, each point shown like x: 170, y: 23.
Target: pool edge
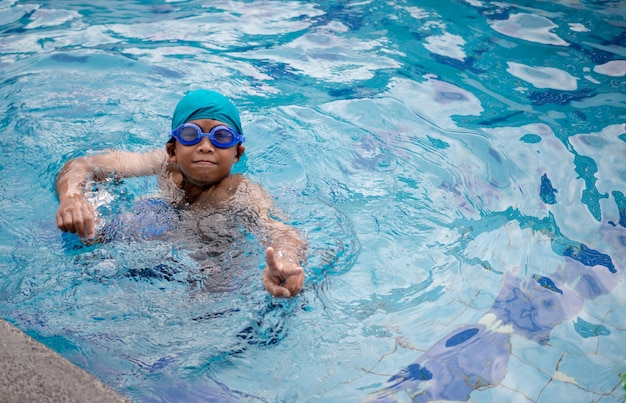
x: 30, y: 371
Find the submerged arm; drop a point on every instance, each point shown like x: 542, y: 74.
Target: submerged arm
x: 75, y: 213
x: 286, y: 251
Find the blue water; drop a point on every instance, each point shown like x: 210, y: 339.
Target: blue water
x: 458, y: 169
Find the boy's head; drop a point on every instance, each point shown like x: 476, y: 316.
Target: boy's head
x: 206, y: 104
x: 205, y: 162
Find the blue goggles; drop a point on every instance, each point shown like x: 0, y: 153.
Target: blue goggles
x: 190, y: 134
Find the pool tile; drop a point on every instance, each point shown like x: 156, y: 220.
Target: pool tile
x: 557, y: 391
x: 612, y: 345
x: 612, y: 308
x: 481, y: 300
x: 568, y: 340
x: 524, y: 378
x: 618, y: 395
x: 498, y: 394
x: 542, y: 357
x: 592, y: 372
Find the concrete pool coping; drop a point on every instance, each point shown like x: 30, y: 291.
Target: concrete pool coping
x: 31, y: 372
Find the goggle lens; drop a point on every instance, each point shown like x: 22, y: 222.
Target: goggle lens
x: 188, y: 134
x: 223, y: 136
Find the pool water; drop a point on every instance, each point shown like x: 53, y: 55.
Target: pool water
x: 458, y: 169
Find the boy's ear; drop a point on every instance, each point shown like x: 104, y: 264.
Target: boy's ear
x: 171, y: 151
x: 240, y: 149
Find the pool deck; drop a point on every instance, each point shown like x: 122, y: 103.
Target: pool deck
x: 31, y: 372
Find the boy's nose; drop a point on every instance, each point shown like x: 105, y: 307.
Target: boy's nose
x: 205, y: 144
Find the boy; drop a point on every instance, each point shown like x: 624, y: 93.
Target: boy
x: 194, y: 173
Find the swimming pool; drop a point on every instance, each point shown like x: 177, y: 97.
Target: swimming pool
x: 459, y: 171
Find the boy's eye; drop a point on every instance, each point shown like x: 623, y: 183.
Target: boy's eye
x: 223, y: 136
x: 188, y: 134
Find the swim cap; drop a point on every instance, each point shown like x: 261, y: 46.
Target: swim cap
x: 206, y: 104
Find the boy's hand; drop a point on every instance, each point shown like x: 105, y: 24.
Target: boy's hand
x: 282, y: 278
x: 75, y: 214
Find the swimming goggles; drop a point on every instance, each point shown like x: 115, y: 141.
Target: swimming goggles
x: 190, y: 134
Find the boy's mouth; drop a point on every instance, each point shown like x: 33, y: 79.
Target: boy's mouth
x: 204, y: 162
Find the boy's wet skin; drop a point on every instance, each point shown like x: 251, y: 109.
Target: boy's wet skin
x: 194, y: 174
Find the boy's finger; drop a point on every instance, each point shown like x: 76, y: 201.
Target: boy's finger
x: 273, y: 288
x: 293, y: 271
x: 270, y: 259
x: 60, y: 223
x: 278, y: 291
x: 69, y: 221
x: 89, y: 222
x: 79, y: 224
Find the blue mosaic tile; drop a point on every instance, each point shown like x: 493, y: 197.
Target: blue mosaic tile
x: 525, y: 379
x: 544, y: 357
x: 613, y: 344
x: 590, y: 329
x: 605, y: 372
x: 567, y: 339
x: 557, y: 391
x: 498, y: 394
x: 611, y: 306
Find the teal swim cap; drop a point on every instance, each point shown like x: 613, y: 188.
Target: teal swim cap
x: 206, y: 104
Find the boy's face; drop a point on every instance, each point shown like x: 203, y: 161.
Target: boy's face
x: 203, y: 164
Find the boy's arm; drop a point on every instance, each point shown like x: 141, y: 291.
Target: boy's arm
x: 75, y: 213
x: 283, y: 275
